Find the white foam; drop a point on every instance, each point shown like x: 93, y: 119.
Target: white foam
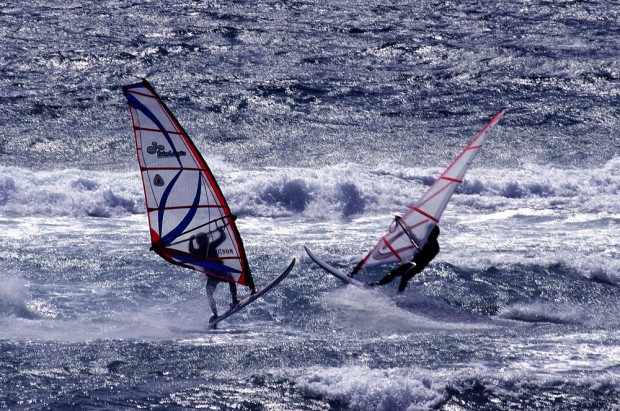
x: 363, y: 388
x: 544, y: 312
x: 568, y: 360
x: 328, y: 192
x: 14, y: 298
x: 379, y: 312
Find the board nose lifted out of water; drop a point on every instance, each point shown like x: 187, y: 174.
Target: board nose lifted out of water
x: 184, y: 202
x: 408, y: 234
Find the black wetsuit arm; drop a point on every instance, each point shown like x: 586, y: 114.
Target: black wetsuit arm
x: 192, y: 249
x: 220, y: 239
x: 426, y: 254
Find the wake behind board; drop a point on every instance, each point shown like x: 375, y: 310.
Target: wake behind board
x: 254, y: 297
x: 334, y: 271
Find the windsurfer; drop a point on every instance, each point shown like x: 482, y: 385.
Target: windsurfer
x: 418, y: 263
x: 208, y: 250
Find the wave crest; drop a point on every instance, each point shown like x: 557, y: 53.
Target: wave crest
x: 293, y: 195
x: 343, y: 190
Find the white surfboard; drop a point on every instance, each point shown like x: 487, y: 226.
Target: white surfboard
x: 333, y: 271
x: 247, y: 301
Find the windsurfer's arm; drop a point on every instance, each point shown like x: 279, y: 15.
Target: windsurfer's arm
x: 192, y: 249
x: 220, y: 239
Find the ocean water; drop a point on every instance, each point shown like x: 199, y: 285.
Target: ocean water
x: 320, y: 121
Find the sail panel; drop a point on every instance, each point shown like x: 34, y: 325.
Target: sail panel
x: 409, y: 233
x: 174, y: 188
x: 164, y: 150
x: 190, y: 222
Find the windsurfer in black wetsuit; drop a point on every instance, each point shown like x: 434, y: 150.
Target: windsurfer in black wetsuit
x: 419, y: 262
x: 208, y: 250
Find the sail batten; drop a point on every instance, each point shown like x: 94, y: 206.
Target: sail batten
x: 170, y: 168
x: 454, y: 180
x: 190, y: 222
x: 155, y: 130
x: 180, y: 207
x: 435, y: 219
x: 420, y: 218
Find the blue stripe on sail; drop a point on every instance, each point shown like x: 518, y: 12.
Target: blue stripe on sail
x: 162, y: 204
x: 139, y: 106
x: 207, y: 265
x: 182, y: 226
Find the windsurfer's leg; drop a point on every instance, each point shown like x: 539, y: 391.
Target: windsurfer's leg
x: 386, y: 279
x: 355, y: 269
x: 211, y: 284
x: 403, y: 283
x: 233, y: 293
x: 400, y: 270
x: 408, y: 275
x: 250, y: 281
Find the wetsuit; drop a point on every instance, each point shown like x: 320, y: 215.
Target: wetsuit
x: 419, y: 262
x: 208, y: 250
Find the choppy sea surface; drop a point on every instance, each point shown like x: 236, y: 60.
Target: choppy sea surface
x: 320, y: 121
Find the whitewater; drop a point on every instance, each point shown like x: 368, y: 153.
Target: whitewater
x: 320, y: 122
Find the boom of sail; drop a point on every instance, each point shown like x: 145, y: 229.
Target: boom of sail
x: 190, y: 222
x: 409, y: 233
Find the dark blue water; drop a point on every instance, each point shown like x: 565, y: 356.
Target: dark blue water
x: 320, y: 122
x: 287, y: 82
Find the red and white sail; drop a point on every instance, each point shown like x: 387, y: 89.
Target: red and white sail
x: 190, y: 222
x: 410, y: 232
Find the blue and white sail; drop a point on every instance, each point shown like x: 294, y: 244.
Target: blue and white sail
x: 190, y: 222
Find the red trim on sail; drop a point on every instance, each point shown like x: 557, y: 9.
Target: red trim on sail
x: 385, y: 241
x: 151, y: 209
x: 424, y: 213
x: 490, y: 124
x: 454, y: 180
x: 170, y: 168
x: 156, y: 130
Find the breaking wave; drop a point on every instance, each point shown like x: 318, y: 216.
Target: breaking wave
x: 14, y: 299
x: 337, y: 191
x: 478, y: 386
x: 544, y: 312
